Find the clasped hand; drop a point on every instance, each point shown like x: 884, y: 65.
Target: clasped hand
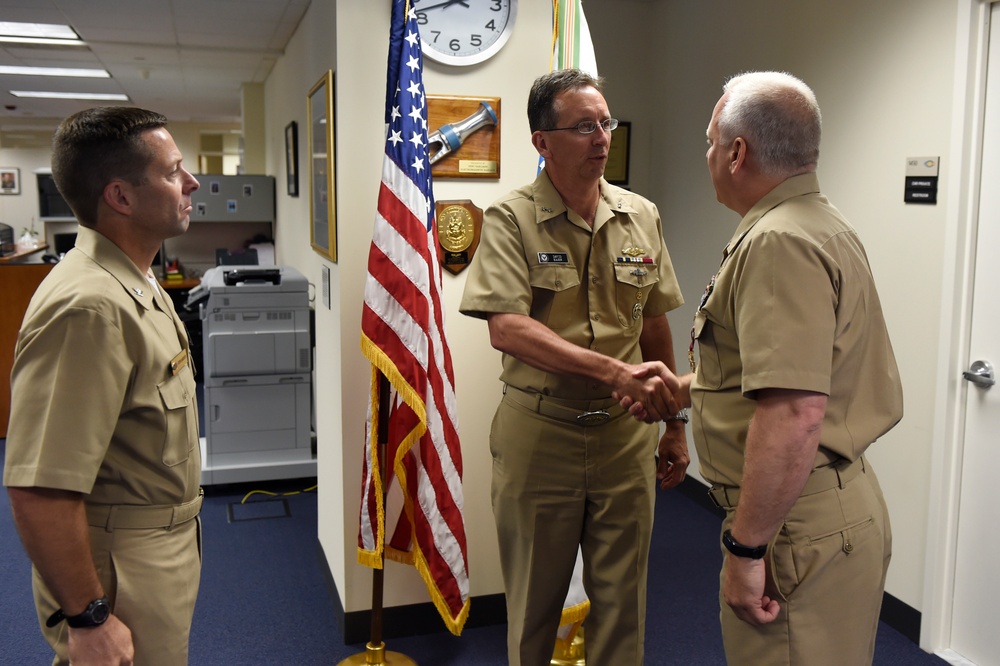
x: 647, y: 392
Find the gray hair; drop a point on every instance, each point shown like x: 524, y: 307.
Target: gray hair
x: 777, y: 114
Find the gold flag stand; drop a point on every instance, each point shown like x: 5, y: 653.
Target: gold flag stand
x: 375, y: 653
x: 573, y: 655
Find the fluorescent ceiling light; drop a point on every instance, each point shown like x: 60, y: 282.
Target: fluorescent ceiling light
x: 56, y: 71
x: 38, y: 33
x: 69, y: 95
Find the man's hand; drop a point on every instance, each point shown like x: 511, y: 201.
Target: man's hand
x: 679, y: 388
x: 673, y: 455
x: 109, y: 644
x: 743, y: 588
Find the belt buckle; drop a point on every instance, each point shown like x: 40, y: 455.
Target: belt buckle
x: 598, y: 417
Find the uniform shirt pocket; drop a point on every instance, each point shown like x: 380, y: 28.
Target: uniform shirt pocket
x: 180, y: 433
x: 633, y: 282
x: 555, y: 291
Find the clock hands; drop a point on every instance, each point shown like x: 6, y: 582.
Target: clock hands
x: 449, y: 3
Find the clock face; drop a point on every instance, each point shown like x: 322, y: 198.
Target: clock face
x: 464, y: 32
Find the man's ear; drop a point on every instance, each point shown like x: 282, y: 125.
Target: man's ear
x: 118, y: 195
x: 737, y: 154
x: 540, y: 142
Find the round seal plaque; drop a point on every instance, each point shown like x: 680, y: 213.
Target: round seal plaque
x: 459, y: 223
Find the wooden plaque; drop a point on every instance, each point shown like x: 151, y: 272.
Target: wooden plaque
x: 459, y: 224
x: 479, y: 154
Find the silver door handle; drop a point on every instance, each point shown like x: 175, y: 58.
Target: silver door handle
x: 980, y: 373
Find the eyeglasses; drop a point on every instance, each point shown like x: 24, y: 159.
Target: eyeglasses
x: 588, y: 126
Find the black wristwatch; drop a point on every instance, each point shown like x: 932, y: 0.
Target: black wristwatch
x: 739, y: 550
x: 97, y: 613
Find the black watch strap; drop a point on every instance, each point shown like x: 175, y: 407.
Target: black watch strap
x: 739, y: 550
x: 97, y: 613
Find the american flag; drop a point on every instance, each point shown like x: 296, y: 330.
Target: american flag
x: 402, y: 334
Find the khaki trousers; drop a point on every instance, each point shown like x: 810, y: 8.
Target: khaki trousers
x: 828, y: 564
x: 558, y: 486
x: 151, y: 577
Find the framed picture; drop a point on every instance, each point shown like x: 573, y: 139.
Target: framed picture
x: 322, y: 176
x: 292, y: 157
x: 616, y: 169
x: 10, y: 180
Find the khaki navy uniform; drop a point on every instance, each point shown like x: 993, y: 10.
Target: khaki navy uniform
x: 104, y: 404
x: 558, y: 484
x: 794, y: 306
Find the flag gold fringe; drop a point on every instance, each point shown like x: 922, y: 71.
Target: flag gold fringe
x: 374, y: 558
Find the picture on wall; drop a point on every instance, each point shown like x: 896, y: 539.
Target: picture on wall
x: 322, y: 177
x: 292, y: 157
x: 10, y: 180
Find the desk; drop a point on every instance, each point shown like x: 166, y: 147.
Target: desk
x: 19, y: 283
x: 21, y: 254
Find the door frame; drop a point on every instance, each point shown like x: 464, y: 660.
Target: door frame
x: 964, y: 176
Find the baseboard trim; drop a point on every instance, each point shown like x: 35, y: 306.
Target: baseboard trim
x: 423, y: 618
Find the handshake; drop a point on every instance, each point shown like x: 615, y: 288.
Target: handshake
x: 650, y: 392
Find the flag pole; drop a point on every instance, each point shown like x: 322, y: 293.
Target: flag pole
x: 375, y: 653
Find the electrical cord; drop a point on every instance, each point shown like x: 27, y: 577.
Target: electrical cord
x: 271, y: 494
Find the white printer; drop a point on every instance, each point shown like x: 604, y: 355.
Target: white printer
x: 258, y: 375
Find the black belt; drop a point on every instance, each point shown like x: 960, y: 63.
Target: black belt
x: 583, y: 413
x: 823, y: 478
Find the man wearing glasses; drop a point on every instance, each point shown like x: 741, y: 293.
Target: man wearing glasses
x: 574, y: 280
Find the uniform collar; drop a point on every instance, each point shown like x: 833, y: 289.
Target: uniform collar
x: 548, y: 203
x: 796, y: 186
x: 111, y: 258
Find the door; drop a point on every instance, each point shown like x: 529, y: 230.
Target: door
x: 977, y: 580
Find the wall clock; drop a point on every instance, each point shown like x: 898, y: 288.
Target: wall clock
x: 464, y: 32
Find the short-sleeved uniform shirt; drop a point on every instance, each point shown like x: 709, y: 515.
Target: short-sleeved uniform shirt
x: 103, y: 386
x: 591, y: 286
x: 793, y: 306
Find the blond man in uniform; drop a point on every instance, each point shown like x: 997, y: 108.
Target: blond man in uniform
x: 102, y: 458
x: 795, y: 379
x: 574, y: 280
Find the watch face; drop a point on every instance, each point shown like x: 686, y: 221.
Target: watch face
x: 464, y: 32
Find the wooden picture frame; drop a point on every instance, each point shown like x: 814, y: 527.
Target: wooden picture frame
x: 292, y: 158
x: 322, y: 168
x: 616, y: 169
x: 10, y: 180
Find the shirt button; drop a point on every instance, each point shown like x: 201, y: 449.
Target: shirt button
x: 596, y: 317
x: 638, y: 295
x: 558, y: 283
x: 595, y: 280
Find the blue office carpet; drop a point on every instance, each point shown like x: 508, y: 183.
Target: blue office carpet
x: 263, y: 600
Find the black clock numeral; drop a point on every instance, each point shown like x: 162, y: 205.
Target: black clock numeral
x: 497, y: 6
x: 421, y: 18
x: 454, y: 44
x: 476, y: 40
x: 436, y: 33
x: 491, y: 25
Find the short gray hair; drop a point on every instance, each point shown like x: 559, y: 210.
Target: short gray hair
x: 777, y: 114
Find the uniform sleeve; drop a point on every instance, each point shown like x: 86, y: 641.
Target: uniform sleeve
x: 786, y: 314
x: 68, y: 383
x: 498, y: 276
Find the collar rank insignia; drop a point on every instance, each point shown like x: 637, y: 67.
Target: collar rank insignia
x: 138, y: 292
x: 546, y: 210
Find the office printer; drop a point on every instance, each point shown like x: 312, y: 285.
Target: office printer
x: 258, y: 374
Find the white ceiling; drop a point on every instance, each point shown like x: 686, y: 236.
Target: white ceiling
x: 186, y: 59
